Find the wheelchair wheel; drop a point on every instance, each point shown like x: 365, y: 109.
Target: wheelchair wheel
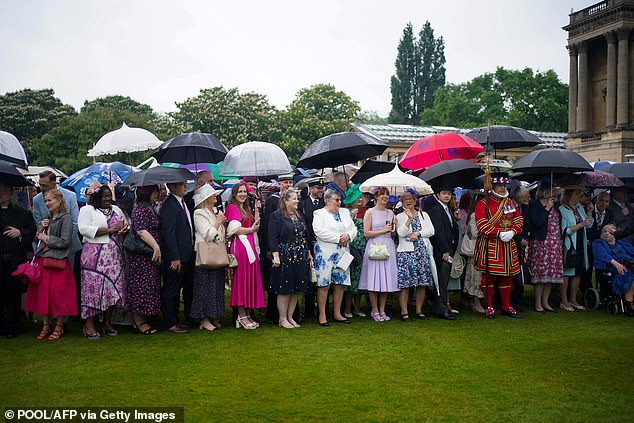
x: 613, y: 308
x: 591, y: 298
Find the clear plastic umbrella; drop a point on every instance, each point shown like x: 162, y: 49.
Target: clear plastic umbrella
x: 125, y: 140
x: 11, y: 150
x: 256, y: 158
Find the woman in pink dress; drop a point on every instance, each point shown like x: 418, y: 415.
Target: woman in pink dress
x: 54, y: 294
x: 246, y: 291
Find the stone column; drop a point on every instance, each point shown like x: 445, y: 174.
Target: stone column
x: 622, y: 93
x: 572, y: 90
x: 582, y: 102
x: 610, y: 95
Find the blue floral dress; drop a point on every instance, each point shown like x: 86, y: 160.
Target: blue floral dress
x: 325, y: 265
x: 413, y: 267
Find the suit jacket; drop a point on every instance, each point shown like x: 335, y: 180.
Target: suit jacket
x: 446, y: 232
x: 624, y: 224
x: 307, y: 208
x: 176, y: 234
x: 594, y: 231
x: 270, y: 206
x: 40, y: 212
x: 16, y: 248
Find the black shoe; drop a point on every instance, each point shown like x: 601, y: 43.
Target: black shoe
x: 344, y: 321
x: 405, y: 318
x: 421, y: 316
x: 324, y: 324
x: 550, y: 310
x: 447, y: 316
x: 512, y: 313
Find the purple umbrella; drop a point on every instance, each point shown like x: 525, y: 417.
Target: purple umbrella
x: 596, y: 179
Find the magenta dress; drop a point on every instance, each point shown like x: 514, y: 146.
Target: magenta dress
x: 54, y: 294
x: 246, y: 289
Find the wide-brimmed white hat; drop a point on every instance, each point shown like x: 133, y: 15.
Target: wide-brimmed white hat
x: 203, y: 193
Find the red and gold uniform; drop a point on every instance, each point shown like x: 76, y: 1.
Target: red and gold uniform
x: 495, y: 258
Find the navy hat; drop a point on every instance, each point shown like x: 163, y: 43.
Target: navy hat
x: 316, y: 182
x: 285, y: 177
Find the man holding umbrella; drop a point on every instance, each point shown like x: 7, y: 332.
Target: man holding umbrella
x: 498, y: 219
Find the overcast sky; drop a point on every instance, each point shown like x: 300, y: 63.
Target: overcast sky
x: 163, y: 51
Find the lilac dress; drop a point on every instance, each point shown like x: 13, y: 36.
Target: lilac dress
x: 380, y: 275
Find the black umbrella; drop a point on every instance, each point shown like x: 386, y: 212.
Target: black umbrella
x: 502, y: 137
x: 11, y: 176
x: 451, y: 174
x: 341, y: 148
x: 371, y: 168
x: 553, y: 161
x: 158, y: 175
x: 623, y: 171
x: 194, y: 147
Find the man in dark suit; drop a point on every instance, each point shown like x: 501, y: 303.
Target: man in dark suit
x: 522, y: 197
x: 623, y: 216
x: 601, y: 217
x: 444, y: 242
x: 270, y: 205
x: 313, y: 201
x: 178, y: 252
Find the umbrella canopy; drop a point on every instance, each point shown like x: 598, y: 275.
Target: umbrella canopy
x: 125, y: 140
x: 256, y: 158
x: 371, y: 168
x: 115, y: 172
x: 11, y: 176
x: 11, y: 150
x: 601, y: 164
x: 623, y: 171
x: 428, y: 151
x: 451, y: 174
x: 502, y: 137
x: 397, y: 182
x: 158, y: 175
x: 496, y: 165
x: 341, y: 148
x: 214, y: 168
x: 596, y: 179
x: 194, y: 147
x: 551, y: 160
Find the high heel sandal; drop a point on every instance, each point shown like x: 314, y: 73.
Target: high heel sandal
x: 57, y: 333
x: 92, y: 336
x: 149, y: 331
x: 286, y: 325
x: 206, y: 325
x: 44, y: 333
x: 240, y: 322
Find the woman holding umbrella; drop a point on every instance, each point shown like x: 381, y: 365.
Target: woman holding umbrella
x: 573, y: 225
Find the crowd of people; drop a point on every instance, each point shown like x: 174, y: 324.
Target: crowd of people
x: 296, y: 245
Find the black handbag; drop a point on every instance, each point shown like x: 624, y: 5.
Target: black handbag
x: 135, y: 245
x: 571, y: 257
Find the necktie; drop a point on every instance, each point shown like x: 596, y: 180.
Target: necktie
x: 186, y: 213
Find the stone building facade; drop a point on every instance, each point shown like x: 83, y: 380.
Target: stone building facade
x: 601, y: 89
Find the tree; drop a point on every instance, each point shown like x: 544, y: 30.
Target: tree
x: 371, y: 117
x: 232, y: 117
x: 29, y: 114
x: 523, y: 98
x: 315, y: 112
x: 118, y: 102
x: 420, y: 71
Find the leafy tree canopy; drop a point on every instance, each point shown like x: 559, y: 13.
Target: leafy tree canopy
x: 232, y: 117
x: 525, y: 98
x: 118, y: 102
x: 315, y: 112
x: 29, y: 114
x: 371, y: 117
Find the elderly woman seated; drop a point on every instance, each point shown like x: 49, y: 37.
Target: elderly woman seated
x: 617, y: 258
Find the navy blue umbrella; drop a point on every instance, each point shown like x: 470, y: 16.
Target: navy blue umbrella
x: 104, y: 173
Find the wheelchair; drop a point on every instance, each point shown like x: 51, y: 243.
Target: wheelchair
x: 602, y: 294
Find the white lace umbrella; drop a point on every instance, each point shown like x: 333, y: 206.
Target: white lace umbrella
x: 11, y: 150
x: 125, y: 140
x: 397, y: 182
x: 256, y: 158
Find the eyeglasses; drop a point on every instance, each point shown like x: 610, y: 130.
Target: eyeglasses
x: 338, y: 200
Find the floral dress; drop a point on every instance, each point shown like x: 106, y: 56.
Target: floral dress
x: 102, y: 273
x: 144, y: 276
x: 413, y: 267
x: 545, y: 258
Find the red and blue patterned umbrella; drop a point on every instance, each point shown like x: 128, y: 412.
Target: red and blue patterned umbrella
x: 596, y: 179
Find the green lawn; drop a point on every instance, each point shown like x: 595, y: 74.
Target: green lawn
x: 543, y: 368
